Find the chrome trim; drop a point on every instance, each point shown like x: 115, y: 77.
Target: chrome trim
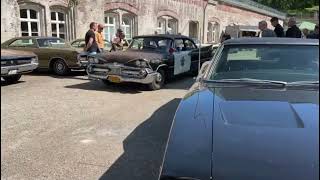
x: 20, y: 68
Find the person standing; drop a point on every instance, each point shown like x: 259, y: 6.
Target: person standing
x: 278, y: 29
x: 119, y: 41
x: 265, y: 31
x: 315, y: 34
x: 99, y: 38
x: 293, y: 31
x: 305, y: 33
x: 91, y: 46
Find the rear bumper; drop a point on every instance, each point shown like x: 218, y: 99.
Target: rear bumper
x: 20, y: 69
x: 123, y: 73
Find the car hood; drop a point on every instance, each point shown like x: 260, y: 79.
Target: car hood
x: 15, y: 54
x: 246, y: 133
x: 128, y: 55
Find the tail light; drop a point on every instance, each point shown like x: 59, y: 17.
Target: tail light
x: 171, y: 51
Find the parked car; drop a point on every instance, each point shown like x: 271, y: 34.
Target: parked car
x: 80, y: 43
x: 252, y: 114
x: 238, y: 31
x: 150, y: 60
x: 53, y: 53
x: 15, y: 63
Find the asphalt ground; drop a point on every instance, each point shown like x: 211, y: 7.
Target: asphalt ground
x: 73, y: 128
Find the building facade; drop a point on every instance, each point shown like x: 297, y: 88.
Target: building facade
x: 70, y: 19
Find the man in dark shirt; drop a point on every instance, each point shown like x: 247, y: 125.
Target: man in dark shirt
x: 315, y: 34
x: 91, y: 44
x: 293, y: 31
x: 278, y: 29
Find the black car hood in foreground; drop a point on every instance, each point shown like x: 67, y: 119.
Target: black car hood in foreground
x: 245, y: 134
x: 128, y: 55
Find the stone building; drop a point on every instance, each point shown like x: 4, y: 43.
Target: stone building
x: 70, y: 19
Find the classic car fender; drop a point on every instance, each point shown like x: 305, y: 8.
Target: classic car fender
x: 54, y: 58
x: 189, y: 147
x: 161, y: 66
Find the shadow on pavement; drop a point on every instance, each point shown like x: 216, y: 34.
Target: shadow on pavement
x: 144, y: 147
x: 97, y: 85
x: 74, y: 74
x: 4, y: 83
x: 133, y: 88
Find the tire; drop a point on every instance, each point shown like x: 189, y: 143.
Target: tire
x: 158, y: 82
x: 12, y: 79
x: 60, y: 68
x: 106, y: 82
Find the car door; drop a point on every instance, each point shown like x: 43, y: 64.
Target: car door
x: 182, y: 57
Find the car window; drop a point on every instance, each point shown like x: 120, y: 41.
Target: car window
x: 75, y: 44
x: 189, y: 45
x: 82, y: 43
x: 151, y: 43
x: 54, y: 42
x: 179, y: 44
x: 23, y: 43
x: 272, y: 62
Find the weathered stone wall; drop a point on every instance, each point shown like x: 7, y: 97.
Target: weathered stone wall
x: 146, y: 11
x: 9, y: 19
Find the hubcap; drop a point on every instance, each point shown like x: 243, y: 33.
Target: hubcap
x: 60, y: 67
x: 159, y: 77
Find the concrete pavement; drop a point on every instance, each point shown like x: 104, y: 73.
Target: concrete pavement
x: 73, y: 128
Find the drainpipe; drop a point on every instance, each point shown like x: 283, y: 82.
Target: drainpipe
x: 204, y: 21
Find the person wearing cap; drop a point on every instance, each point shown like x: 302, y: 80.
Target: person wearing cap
x: 99, y: 37
x: 119, y: 41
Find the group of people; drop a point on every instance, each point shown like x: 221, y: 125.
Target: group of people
x: 94, y: 41
x: 292, y: 32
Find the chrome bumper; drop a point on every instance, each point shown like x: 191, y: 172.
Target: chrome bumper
x: 92, y: 74
x: 25, y: 68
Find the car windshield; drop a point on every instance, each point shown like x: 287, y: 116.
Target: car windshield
x: 54, y: 42
x: 151, y: 43
x: 287, y: 63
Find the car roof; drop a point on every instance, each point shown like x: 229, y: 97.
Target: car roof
x: 279, y: 41
x: 36, y: 37
x: 169, y: 36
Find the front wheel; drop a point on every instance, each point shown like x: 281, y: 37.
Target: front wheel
x: 158, y: 82
x: 60, y: 67
x: 12, y: 79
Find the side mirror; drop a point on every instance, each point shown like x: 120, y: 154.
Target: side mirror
x: 203, y: 70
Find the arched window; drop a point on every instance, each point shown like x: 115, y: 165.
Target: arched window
x: 30, y: 22
x: 213, y: 32
x: 127, y: 25
x: 193, y: 29
x: 167, y: 24
x: 116, y: 19
x: 110, y: 23
x: 58, y: 24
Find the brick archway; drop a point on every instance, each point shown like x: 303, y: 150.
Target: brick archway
x: 168, y: 12
x: 124, y: 6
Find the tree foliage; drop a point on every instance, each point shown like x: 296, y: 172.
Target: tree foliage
x: 286, y: 5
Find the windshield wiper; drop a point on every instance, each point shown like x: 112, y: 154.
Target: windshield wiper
x: 304, y: 84
x: 248, y: 81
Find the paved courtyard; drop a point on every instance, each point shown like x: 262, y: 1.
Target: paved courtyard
x: 73, y: 128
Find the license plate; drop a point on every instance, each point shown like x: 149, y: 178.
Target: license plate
x: 114, y: 79
x: 11, y: 72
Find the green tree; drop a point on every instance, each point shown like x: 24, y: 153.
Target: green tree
x: 285, y: 5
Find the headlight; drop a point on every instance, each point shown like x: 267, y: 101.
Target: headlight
x: 141, y: 63
x: 3, y: 62
x: 93, y: 60
x: 34, y: 60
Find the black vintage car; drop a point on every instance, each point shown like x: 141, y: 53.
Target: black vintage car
x: 253, y: 114
x: 150, y: 59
